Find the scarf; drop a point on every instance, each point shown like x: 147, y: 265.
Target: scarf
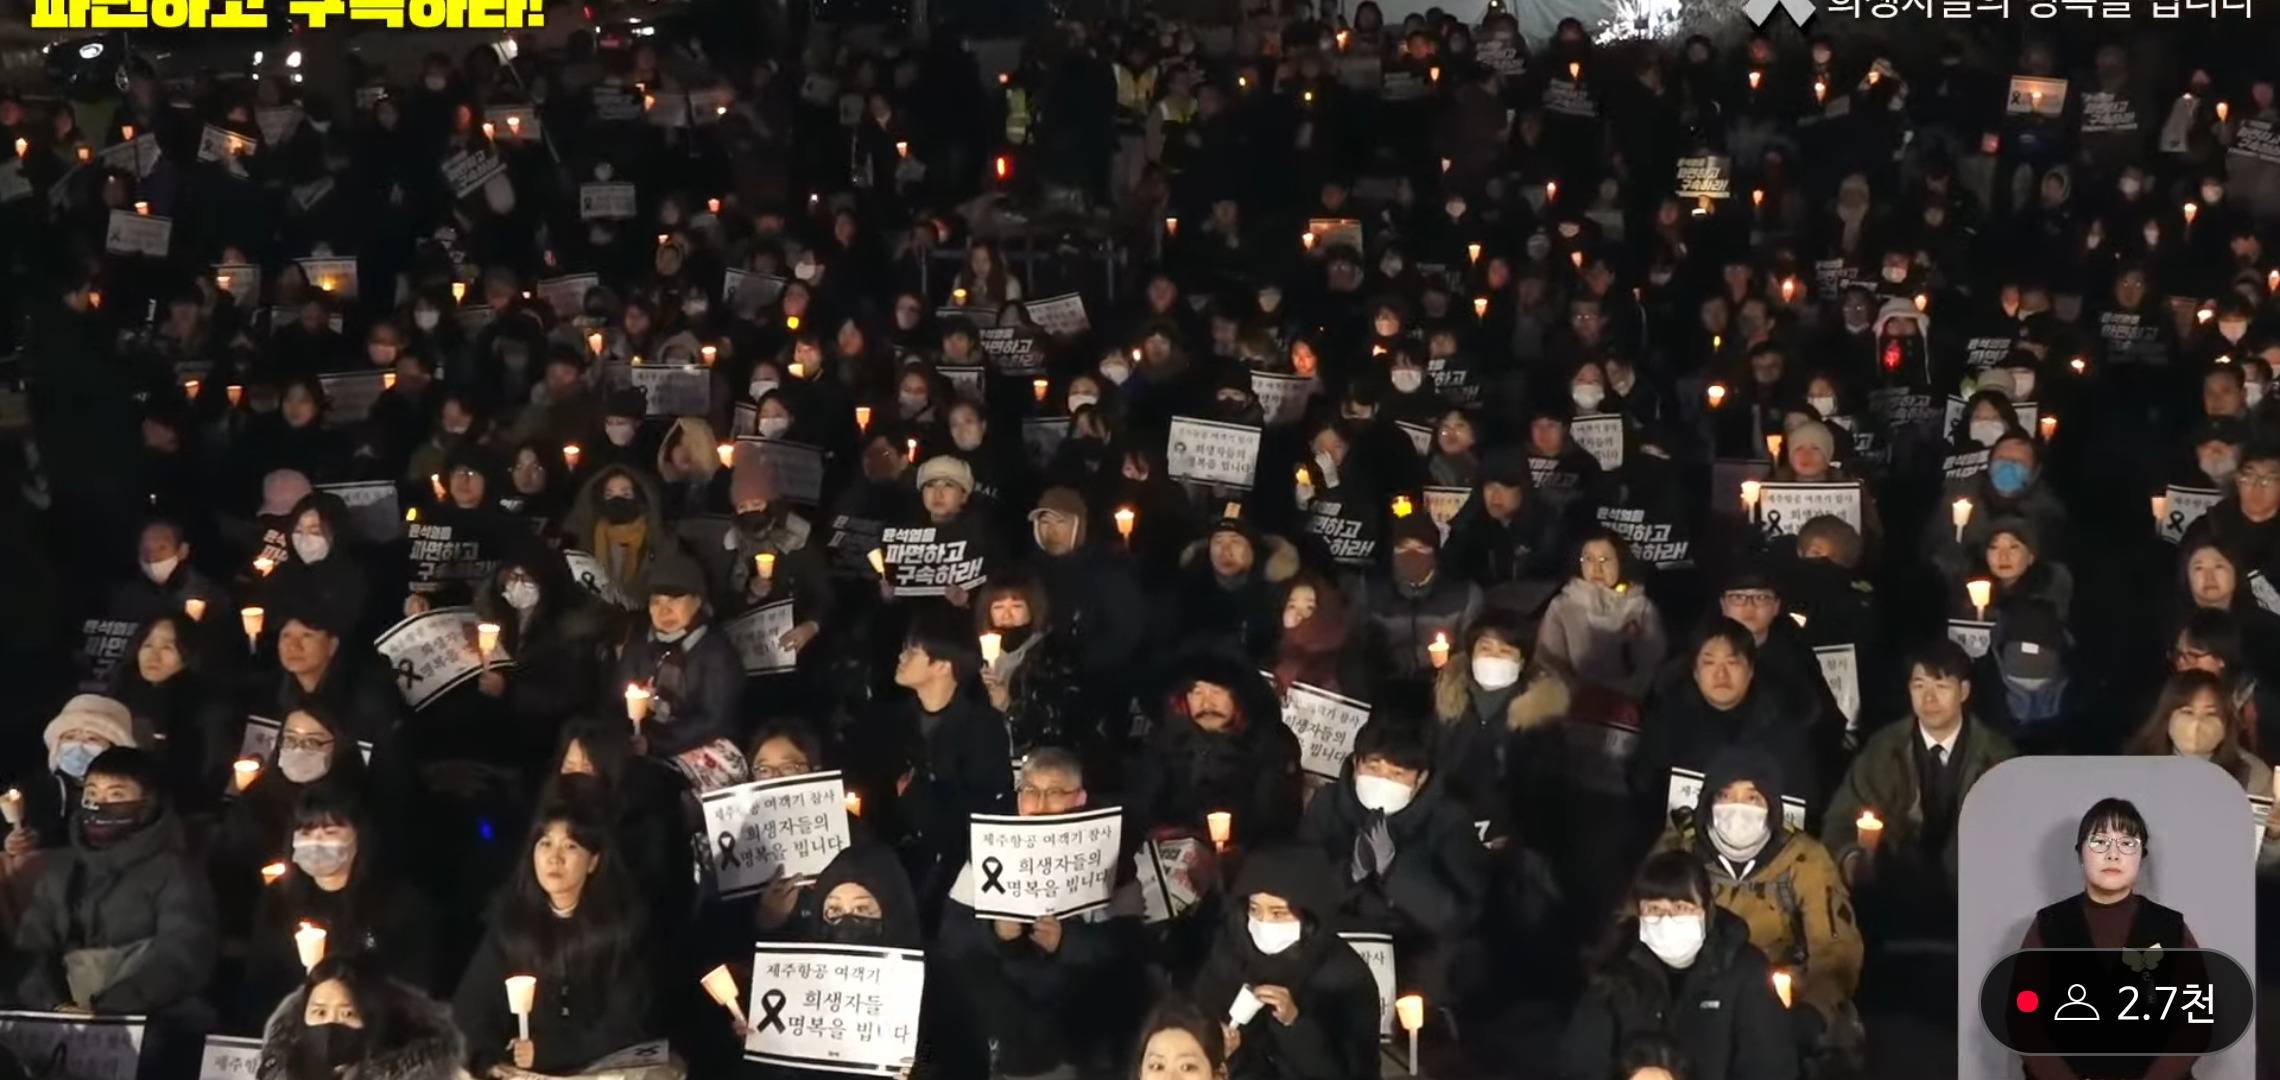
x: 620, y: 546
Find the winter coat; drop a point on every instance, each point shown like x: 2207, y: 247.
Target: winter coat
x: 1519, y: 749
x: 1957, y: 561
x: 387, y: 919
x: 1042, y: 1009
x: 1609, y: 638
x: 961, y: 764
x: 1683, y: 730
x: 1517, y: 563
x: 585, y: 517
x: 1722, y: 1012
x: 1249, y: 770
x: 1242, y: 619
x: 335, y: 586
x: 428, y: 1047
x: 143, y: 891
x: 1335, y: 1035
x: 698, y: 683
x: 802, y: 572
x: 1401, y: 622
x: 1883, y: 778
x: 1436, y: 887
x: 557, y: 650
x: 577, y: 1020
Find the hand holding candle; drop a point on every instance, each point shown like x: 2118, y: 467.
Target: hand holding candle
x: 195, y: 608
x: 765, y: 564
x: 1221, y: 825
x: 1750, y: 497
x: 1868, y: 829
x: 636, y: 704
x: 243, y: 771
x: 272, y: 873
x: 1438, y: 650
x: 2160, y: 511
x: 12, y: 806
x: 522, y: 995
x: 1781, y: 987
x: 1716, y: 394
x: 1959, y: 512
x: 1125, y: 519
x: 720, y: 985
x: 1982, y: 593
x: 1409, y: 1009
x: 993, y: 646
x: 487, y: 640
x: 251, y: 618
x: 309, y: 941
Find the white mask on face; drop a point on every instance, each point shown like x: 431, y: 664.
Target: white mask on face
x: 161, y: 570
x: 773, y: 427
x: 2152, y: 235
x: 425, y: 319
x: 435, y: 83
x: 1896, y: 274
x: 620, y: 432
x: 1825, y: 404
x: 1382, y: 795
x: 1407, y: 380
x: 1674, y: 939
x: 1274, y: 937
x: 303, y: 766
x: 804, y: 271
x: 1495, y: 672
x: 1079, y: 401
x: 1115, y: 371
x: 2131, y: 186
x: 2254, y: 393
x: 311, y: 549
x: 1738, y: 830
x: 1587, y: 396
x: 521, y: 595
x: 1985, y: 432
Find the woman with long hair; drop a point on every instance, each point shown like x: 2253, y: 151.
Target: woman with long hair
x: 2195, y: 717
x: 349, y: 1019
x: 568, y: 919
x: 164, y: 683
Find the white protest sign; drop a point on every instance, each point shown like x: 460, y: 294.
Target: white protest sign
x: 1568, y: 97
x: 1282, y: 398
x: 1975, y: 637
x: 260, y: 739
x: 1840, y: 669
x: 792, y: 826
x: 669, y: 110
x: 1420, y: 437
x: 349, y: 396
x: 431, y: 653
x: 103, y: 643
x: 1376, y: 951
x: 674, y: 389
x: 1334, y: 232
x: 1708, y: 177
x: 278, y: 124
x: 2186, y: 505
x: 241, y: 280
x: 748, y: 292
x: 217, y: 144
x: 307, y: 196
x: 131, y: 233
x: 468, y: 170
x: 333, y: 275
x: 1325, y: 724
x: 1783, y: 509
x: 606, y: 202
x: 1060, y: 316
x: 373, y: 515
x: 139, y: 156
x: 1686, y: 794
x: 637, y: 1062
x: 2259, y: 813
x: 798, y: 467
x: 1967, y: 464
x: 1165, y: 871
x: 567, y: 294
x: 1207, y: 451
x: 757, y: 635
x: 229, y: 1058
x: 927, y: 560
x: 591, y: 575
x: 13, y: 186
x: 2261, y: 588
x: 1602, y: 435
x: 1053, y: 864
x: 70, y: 1046
x: 1442, y: 505
x: 965, y: 379
x: 837, y: 1008
x: 2031, y: 96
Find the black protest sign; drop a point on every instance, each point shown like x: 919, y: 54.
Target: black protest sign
x: 102, y: 643
x: 1349, y: 530
x: 1660, y: 541
x: 853, y: 538
x: 928, y: 559
x: 447, y: 553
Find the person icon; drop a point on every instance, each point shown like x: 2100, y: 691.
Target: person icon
x: 2077, y: 1006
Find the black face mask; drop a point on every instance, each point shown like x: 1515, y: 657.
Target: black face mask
x: 620, y: 510
x: 753, y: 524
x: 330, y: 1046
x: 108, y: 823
x: 855, y: 930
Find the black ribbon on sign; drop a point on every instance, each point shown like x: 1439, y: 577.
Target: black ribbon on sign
x: 771, y: 1011
x: 2176, y: 523
x: 587, y: 579
x: 406, y: 672
x: 1772, y: 523
x: 992, y: 869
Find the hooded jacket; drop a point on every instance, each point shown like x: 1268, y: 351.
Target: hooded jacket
x: 1335, y: 1034
x: 1244, y: 618
x: 1609, y: 638
x: 1496, y: 555
x: 581, y: 526
x: 335, y: 586
x: 1790, y: 896
x: 1250, y: 769
x: 1488, y: 736
x: 1434, y: 891
x: 428, y: 1046
x: 876, y: 869
x: 1721, y: 1010
x: 143, y: 892
x: 1685, y: 731
x: 557, y: 646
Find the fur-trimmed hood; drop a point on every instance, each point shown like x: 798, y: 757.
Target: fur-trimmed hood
x: 431, y: 1047
x: 1545, y: 692
x: 1279, y: 564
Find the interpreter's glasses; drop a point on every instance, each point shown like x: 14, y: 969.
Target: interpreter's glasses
x: 2127, y: 845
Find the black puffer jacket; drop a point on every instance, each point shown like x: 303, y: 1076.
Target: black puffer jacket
x: 1250, y: 770
x: 427, y: 1047
x: 1437, y: 883
x: 1720, y: 1010
x: 142, y: 890
x: 1335, y: 1034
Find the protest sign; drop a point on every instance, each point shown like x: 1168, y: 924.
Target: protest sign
x: 2107, y: 113
x: 330, y: 274
x: 965, y: 379
x: 1784, y: 508
x: 566, y: 294
x: 1967, y: 464
x: 1402, y: 86
x: 446, y: 554
x: 229, y: 1058
x: 927, y: 560
x: 307, y: 196
x: 241, y: 280
x: 791, y: 827
x: 757, y: 635
x: 13, y: 184
x: 73, y: 1046
x: 1706, y: 177
x: 1685, y: 796
x: 1210, y: 452
x: 2186, y: 506
x: 1325, y: 724
x: 349, y: 396
x: 641, y: 1061
x: 1840, y: 669
x: 1348, y: 530
x: 131, y: 233
x: 1060, y: 316
x: 218, y: 144
x: 1282, y: 398
x: 748, y: 292
x: 2032, y: 96
x: 1376, y: 951
x: 615, y: 105
x: 1420, y: 437
x: 101, y: 643
x: 837, y: 1008
x: 607, y: 202
x: 853, y: 538
x: 1975, y: 637
x: 433, y: 652
x: 2263, y: 592
x: 1602, y: 435
x: 1012, y: 350
x: 981, y: 318
x: 468, y: 170
x: 259, y: 741
x: 1361, y: 71
x: 1654, y: 536
x: 1443, y: 503
x: 798, y: 467
x: 373, y: 516
x: 667, y: 110
x: 1042, y: 436
x: 1569, y: 98
x: 1334, y: 233
x: 590, y: 575
x: 1165, y: 870
x: 1050, y: 864
x: 1501, y: 55
x: 138, y: 155
x: 673, y: 389
x: 2259, y: 812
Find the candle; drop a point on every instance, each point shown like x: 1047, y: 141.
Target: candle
x: 1303, y: 478
x: 708, y: 354
x: 412, y: 513
x: 250, y: 619
x: 2191, y: 211
x: 1868, y: 829
x: 594, y: 341
x: 142, y: 207
x: 435, y: 480
x: 1472, y: 253
x: 1923, y: 302
x: 958, y: 297
x: 1717, y: 394
x: 1551, y: 190
x: 1171, y: 225
x: 1756, y: 77
x: 1788, y: 289
x: 636, y: 704
x: 263, y: 564
x: 1959, y: 513
x: 1982, y: 591
x: 2272, y: 281
x: 1575, y: 70
x: 2160, y: 509
x: 1402, y: 507
x: 712, y: 206
x: 1038, y: 387
x: 489, y: 132
x: 1125, y: 519
x: 993, y: 646
x: 765, y: 564
x: 1750, y: 497
x: 878, y: 559
x: 1576, y: 257
x: 570, y: 455
x: 1306, y: 240
x: 1433, y: 74
x: 1410, y: 1010
x: 1438, y: 650
x: 271, y: 873
x: 86, y: 155
x: 235, y: 393
x: 1781, y: 987
x: 22, y: 146
x: 243, y: 771
x: 1717, y: 342
x: 2049, y: 425
x: 1445, y: 163
x: 514, y: 126
x: 2081, y: 365
x: 1480, y: 307
x: 2204, y: 314
x: 387, y: 380
x: 720, y: 984
x: 309, y: 941
x: 1221, y: 823
x: 862, y: 418
x: 727, y: 454
x: 854, y: 804
x: 1342, y: 36
x: 1821, y: 90
x: 1773, y: 447
x: 487, y: 639
x: 1307, y: 97
x: 458, y: 292
x: 2223, y: 110
x: 195, y: 607
x: 1004, y: 167
x: 1757, y: 198
x: 2034, y: 98
x: 910, y: 450
x: 12, y: 806
x: 522, y: 992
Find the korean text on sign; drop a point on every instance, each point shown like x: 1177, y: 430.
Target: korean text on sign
x: 255, y: 14
x: 791, y: 826
x: 1056, y: 864
x: 1210, y: 452
x: 839, y: 1008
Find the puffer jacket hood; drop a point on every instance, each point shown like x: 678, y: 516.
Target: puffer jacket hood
x: 430, y: 1047
x: 1608, y: 609
x: 876, y: 869
x: 587, y: 508
x: 1546, y: 692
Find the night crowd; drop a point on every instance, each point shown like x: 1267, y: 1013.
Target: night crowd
x: 1829, y: 419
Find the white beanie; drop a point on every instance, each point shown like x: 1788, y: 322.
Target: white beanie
x: 96, y: 714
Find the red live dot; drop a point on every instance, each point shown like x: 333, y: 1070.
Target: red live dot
x: 2028, y: 1001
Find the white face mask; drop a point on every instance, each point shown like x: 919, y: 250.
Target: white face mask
x: 1274, y: 937
x: 303, y: 766
x: 311, y: 549
x: 1587, y: 396
x: 620, y: 432
x: 804, y: 271
x: 2254, y: 393
x: 1115, y: 371
x: 161, y: 570
x: 1407, y: 380
x: 380, y: 353
x: 521, y: 595
x: 1382, y: 795
x: 773, y: 427
x: 2131, y: 186
x: 425, y: 319
x: 1825, y: 404
x: 2022, y: 385
x: 1079, y: 401
x: 761, y: 388
x: 2152, y: 236
x: 1738, y: 830
x: 435, y: 83
x: 1896, y: 274
x: 911, y: 405
x: 1674, y: 939
x: 1495, y: 672
x: 1985, y: 432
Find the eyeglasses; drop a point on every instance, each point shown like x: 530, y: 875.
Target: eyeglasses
x: 1752, y: 598
x: 305, y: 742
x: 2261, y: 481
x: 1027, y: 792
x: 2128, y: 845
x: 1598, y: 560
